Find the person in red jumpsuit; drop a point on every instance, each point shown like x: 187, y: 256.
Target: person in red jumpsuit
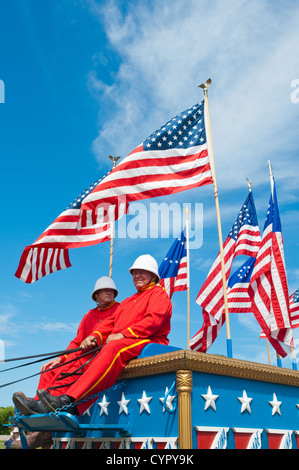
x: 104, y: 294
x: 140, y: 319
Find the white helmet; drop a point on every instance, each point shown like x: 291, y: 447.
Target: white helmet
x: 148, y: 263
x: 104, y: 283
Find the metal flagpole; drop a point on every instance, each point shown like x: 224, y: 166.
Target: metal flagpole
x: 114, y: 160
x: 205, y: 87
x: 188, y: 278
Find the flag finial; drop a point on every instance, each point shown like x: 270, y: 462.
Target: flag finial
x: 270, y: 168
x: 206, y: 85
x: 249, y: 182
x: 114, y: 160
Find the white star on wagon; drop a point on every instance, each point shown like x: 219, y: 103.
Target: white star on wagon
x: 123, y: 404
x: 210, y: 399
x: 275, y: 405
x: 245, y: 400
x: 169, y: 400
x: 143, y: 402
x: 104, y: 406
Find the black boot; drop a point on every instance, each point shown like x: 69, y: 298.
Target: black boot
x: 51, y: 402
x: 28, y: 406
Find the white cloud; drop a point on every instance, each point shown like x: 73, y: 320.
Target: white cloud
x: 7, y: 312
x: 166, y: 50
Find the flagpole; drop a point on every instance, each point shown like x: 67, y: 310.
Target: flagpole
x: 205, y: 87
x: 114, y: 160
x: 188, y: 278
x: 268, y: 351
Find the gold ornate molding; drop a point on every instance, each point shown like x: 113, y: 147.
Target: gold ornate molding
x: 211, y: 364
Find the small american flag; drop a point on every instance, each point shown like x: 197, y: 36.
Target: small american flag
x: 49, y: 253
x: 173, y: 269
x: 238, y: 302
x: 172, y: 159
x: 294, y: 309
x: 268, y: 288
x: 243, y: 239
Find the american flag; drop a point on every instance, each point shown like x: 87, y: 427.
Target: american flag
x: 238, y: 302
x: 243, y: 239
x: 237, y: 288
x: 294, y: 309
x: 173, y: 269
x: 49, y: 253
x: 268, y: 288
x: 170, y: 160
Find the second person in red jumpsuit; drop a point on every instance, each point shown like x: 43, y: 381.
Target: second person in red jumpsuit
x: 140, y: 319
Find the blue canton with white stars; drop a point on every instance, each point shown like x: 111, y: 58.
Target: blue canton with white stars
x: 243, y: 274
x: 185, y: 130
x: 170, y: 265
x: 246, y: 216
x: 273, y: 213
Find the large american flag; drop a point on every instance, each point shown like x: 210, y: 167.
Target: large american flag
x: 268, y: 288
x: 243, y: 239
x: 238, y: 302
x: 294, y: 309
x: 173, y: 269
x: 172, y: 159
x: 49, y: 253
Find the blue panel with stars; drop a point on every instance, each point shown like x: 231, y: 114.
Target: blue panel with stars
x: 228, y: 412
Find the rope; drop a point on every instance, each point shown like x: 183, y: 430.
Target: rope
x: 54, y: 354
x: 98, y: 348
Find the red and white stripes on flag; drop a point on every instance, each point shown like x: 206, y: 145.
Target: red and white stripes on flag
x: 172, y: 159
x: 207, y: 334
x: 268, y: 288
x: 49, y: 253
x: 294, y: 309
x: 243, y: 239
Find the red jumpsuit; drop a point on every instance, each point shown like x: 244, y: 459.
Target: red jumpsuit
x: 90, y: 319
x: 142, y: 318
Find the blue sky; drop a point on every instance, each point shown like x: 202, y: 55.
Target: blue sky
x: 85, y: 79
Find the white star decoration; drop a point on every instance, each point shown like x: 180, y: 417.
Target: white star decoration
x: 123, y: 404
x: 275, y: 405
x: 245, y: 402
x: 143, y: 402
x: 210, y: 399
x: 169, y: 400
x: 104, y: 406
